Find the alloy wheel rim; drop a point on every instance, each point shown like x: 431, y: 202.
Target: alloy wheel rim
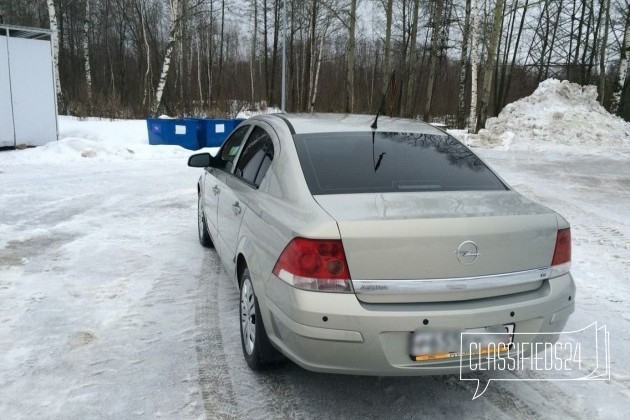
x: 248, y: 317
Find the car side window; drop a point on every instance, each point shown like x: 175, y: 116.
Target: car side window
x: 256, y: 157
x: 225, y: 161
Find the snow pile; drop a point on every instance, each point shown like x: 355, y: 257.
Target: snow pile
x: 258, y: 111
x: 95, y: 139
x: 558, y: 116
x: 104, y: 130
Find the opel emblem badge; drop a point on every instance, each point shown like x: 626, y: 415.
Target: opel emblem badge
x: 467, y: 252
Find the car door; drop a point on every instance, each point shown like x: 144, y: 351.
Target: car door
x: 215, y: 177
x: 251, y: 166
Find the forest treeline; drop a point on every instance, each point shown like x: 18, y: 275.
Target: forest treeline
x: 460, y: 61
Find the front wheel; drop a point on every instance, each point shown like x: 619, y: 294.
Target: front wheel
x: 257, y: 349
x: 202, y: 227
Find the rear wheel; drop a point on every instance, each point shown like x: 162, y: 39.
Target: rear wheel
x: 257, y: 349
x: 202, y: 227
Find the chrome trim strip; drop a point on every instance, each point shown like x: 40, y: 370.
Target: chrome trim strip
x: 397, y: 287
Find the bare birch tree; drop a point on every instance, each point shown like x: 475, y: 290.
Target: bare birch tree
x: 413, y: 58
x: 252, y: 58
x: 209, y: 49
x: 166, y: 64
x: 615, y: 107
x: 350, y: 58
x: 266, y: 52
x: 314, y: 85
x: 347, y: 16
x: 309, y: 54
x: 435, y: 41
x: 388, y: 44
x: 464, y: 62
x: 199, y: 72
x: 147, y: 85
x: 474, y: 64
x: 86, y: 52
x: 490, y: 64
x: 222, y: 47
x: 54, y: 39
x: 602, y: 58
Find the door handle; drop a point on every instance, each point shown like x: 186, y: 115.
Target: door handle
x: 216, y: 190
x: 236, y: 208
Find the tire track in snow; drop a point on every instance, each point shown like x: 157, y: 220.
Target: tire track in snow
x: 215, y: 382
x: 260, y: 395
x: 229, y: 388
x: 504, y: 400
x: 589, y: 228
x: 554, y: 404
x: 602, y: 229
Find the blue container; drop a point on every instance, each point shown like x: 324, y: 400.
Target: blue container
x: 216, y: 131
x: 185, y: 133
x: 201, y: 130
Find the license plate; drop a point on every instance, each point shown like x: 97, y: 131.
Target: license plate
x: 446, y: 344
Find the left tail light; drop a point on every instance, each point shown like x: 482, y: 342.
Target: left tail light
x: 315, y: 264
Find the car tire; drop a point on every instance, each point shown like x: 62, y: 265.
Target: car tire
x: 258, y: 351
x: 202, y: 227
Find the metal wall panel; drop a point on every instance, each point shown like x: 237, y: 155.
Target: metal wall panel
x: 7, y: 134
x: 33, y: 91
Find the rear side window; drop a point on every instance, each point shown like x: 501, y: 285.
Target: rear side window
x: 230, y: 149
x: 367, y: 162
x: 256, y: 157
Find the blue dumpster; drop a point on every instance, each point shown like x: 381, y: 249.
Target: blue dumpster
x: 201, y: 130
x: 216, y: 131
x: 185, y: 133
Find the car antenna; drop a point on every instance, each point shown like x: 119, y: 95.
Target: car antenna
x: 374, y: 125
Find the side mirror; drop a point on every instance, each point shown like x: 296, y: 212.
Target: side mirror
x: 200, y: 160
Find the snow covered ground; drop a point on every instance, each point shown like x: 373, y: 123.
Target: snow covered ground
x: 110, y: 308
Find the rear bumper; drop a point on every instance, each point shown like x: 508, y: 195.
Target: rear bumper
x: 336, y: 333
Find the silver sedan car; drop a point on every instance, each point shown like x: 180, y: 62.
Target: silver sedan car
x: 363, y: 250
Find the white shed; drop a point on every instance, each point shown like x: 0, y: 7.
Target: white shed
x: 28, y: 100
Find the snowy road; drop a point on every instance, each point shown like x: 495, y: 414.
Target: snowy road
x: 109, y: 307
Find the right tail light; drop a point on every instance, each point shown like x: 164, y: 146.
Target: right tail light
x: 561, y: 263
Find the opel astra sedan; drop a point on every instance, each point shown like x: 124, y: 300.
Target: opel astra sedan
x: 356, y: 249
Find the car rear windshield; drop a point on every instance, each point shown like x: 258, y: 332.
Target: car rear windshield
x: 372, y: 162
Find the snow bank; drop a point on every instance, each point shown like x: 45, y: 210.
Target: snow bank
x: 559, y: 116
x: 95, y: 139
x: 104, y: 130
x: 258, y: 111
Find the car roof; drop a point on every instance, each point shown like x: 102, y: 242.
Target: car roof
x: 330, y: 123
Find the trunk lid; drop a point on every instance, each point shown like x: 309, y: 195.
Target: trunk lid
x: 429, y: 236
